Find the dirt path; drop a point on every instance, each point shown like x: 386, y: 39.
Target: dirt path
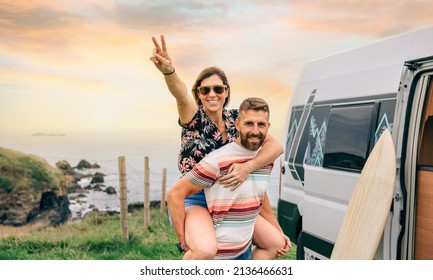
x: 6, y: 231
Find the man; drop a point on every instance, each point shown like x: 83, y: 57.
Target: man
x: 233, y: 211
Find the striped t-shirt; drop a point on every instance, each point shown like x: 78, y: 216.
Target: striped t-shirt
x: 233, y: 212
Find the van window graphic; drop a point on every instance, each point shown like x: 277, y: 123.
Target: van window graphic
x: 290, y: 137
x: 307, y: 144
x: 296, y: 154
x: 385, y: 118
x: 318, y: 134
x: 382, y: 126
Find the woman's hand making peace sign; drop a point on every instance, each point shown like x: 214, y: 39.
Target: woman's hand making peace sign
x: 160, y: 57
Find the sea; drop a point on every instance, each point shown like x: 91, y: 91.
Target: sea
x: 105, y: 148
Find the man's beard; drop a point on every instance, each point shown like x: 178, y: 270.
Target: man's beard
x: 248, y: 143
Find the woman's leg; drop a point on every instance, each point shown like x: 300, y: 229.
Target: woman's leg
x: 199, y: 234
x: 267, y: 239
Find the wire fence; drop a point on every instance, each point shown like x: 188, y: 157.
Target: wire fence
x: 91, y: 197
x: 95, y: 197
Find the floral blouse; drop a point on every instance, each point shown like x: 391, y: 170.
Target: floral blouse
x: 200, y: 136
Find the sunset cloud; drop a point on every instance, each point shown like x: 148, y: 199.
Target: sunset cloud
x: 39, y: 83
x: 373, y: 19
x: 88, y: 53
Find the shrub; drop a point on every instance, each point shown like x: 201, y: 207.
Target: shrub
x: 5, y: 184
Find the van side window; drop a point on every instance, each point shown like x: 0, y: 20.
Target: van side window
x: 349, y: 136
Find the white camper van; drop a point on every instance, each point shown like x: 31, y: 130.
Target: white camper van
x: 340, y: 107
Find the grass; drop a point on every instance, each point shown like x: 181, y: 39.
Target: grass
x: 99, y: 238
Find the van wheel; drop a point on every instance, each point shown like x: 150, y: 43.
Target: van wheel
x: 300, y: 253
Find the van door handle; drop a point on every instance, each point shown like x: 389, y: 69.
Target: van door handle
x: 283, y: 170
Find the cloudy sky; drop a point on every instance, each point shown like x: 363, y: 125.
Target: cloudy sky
x: 84, y: 64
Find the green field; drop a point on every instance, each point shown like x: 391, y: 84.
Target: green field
x: 99, y: 238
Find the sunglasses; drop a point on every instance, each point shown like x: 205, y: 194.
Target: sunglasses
x: 219, y: 89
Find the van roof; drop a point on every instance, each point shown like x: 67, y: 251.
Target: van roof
x: 375, y: 68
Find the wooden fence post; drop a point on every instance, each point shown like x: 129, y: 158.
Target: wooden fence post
x: 146, y: 204
x: 123, y: 198
x: 164, y: 186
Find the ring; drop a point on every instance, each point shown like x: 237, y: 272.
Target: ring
x: 235, y: 183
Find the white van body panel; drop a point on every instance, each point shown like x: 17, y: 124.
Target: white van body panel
x: 318, y: 199
x: 372, y: 80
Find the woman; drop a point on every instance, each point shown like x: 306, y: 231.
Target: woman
x: 207, y: 125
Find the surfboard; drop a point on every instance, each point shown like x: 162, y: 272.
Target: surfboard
x: 365, y: 218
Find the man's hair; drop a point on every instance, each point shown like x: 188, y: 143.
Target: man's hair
x: 206, y: 73
x: 254, y: 103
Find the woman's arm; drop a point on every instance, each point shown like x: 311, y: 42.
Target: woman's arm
x: 238, y: 172
x: 185, y: 103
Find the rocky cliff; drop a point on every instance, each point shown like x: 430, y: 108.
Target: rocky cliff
x: 30, y: 190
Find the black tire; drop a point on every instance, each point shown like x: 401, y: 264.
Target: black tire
x: 300, y: 252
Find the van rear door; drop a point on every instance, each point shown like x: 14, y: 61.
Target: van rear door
x: 415, y: 237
